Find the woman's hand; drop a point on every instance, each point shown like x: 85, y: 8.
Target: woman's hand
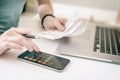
x: 51, y: 23
x: 13, y: 39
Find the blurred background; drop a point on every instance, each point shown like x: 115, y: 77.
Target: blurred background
x: 99, y: 10
x: 102, y: 4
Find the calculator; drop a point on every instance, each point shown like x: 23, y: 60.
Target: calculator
x: 44, y: 59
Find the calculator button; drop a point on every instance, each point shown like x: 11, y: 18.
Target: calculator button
x: 47, y: 60
x: 26, y: 57
x: 39, y: 61
x: 30, y: 58
x: 35, y: 60
x: 43, y: 62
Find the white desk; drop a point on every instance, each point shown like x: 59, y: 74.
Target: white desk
x: 79, y: 69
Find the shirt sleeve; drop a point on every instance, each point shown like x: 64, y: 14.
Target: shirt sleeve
x: 2, y: 29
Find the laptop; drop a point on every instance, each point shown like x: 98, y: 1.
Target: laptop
x: 98, y: 42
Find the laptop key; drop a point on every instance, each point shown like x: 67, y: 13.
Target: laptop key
x: 96, y: 42
x: 117, y: 41
x: 102, y: 44
x: 109, y: 41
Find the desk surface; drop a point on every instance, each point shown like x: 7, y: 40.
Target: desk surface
x: 79, y: 69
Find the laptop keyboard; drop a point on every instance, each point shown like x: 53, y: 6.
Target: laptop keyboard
x: 107, y: 41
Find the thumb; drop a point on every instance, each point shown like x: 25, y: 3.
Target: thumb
x: 59, y: 26
x: 22, y: 31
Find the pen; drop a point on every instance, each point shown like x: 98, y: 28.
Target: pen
x: 31, y: 36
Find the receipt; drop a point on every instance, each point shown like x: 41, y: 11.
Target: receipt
x: 73, y: 27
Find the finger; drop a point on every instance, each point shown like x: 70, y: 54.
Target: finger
x: 22, y: 31
x: 11, y: 45
x: 59, y: 26
x: 27, y: 43
x: 34, y: 46
x: 63, y: 21
x: 21, y: 40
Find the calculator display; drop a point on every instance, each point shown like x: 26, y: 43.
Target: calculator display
x: 45, y: 59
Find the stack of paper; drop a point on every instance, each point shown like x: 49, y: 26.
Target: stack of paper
x: 73, y: 27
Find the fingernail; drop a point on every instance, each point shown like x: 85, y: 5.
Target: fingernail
x: 30, y: 50
x: 37, y: 49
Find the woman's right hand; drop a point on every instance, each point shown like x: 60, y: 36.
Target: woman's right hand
x: 13, y: 39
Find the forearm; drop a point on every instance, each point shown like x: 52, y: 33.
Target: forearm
x: 48, y: 21
x: 45, y: 7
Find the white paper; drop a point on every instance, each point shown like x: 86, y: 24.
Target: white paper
x: 73, y: 27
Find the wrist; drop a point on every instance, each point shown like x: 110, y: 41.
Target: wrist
x: 43, y: 19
